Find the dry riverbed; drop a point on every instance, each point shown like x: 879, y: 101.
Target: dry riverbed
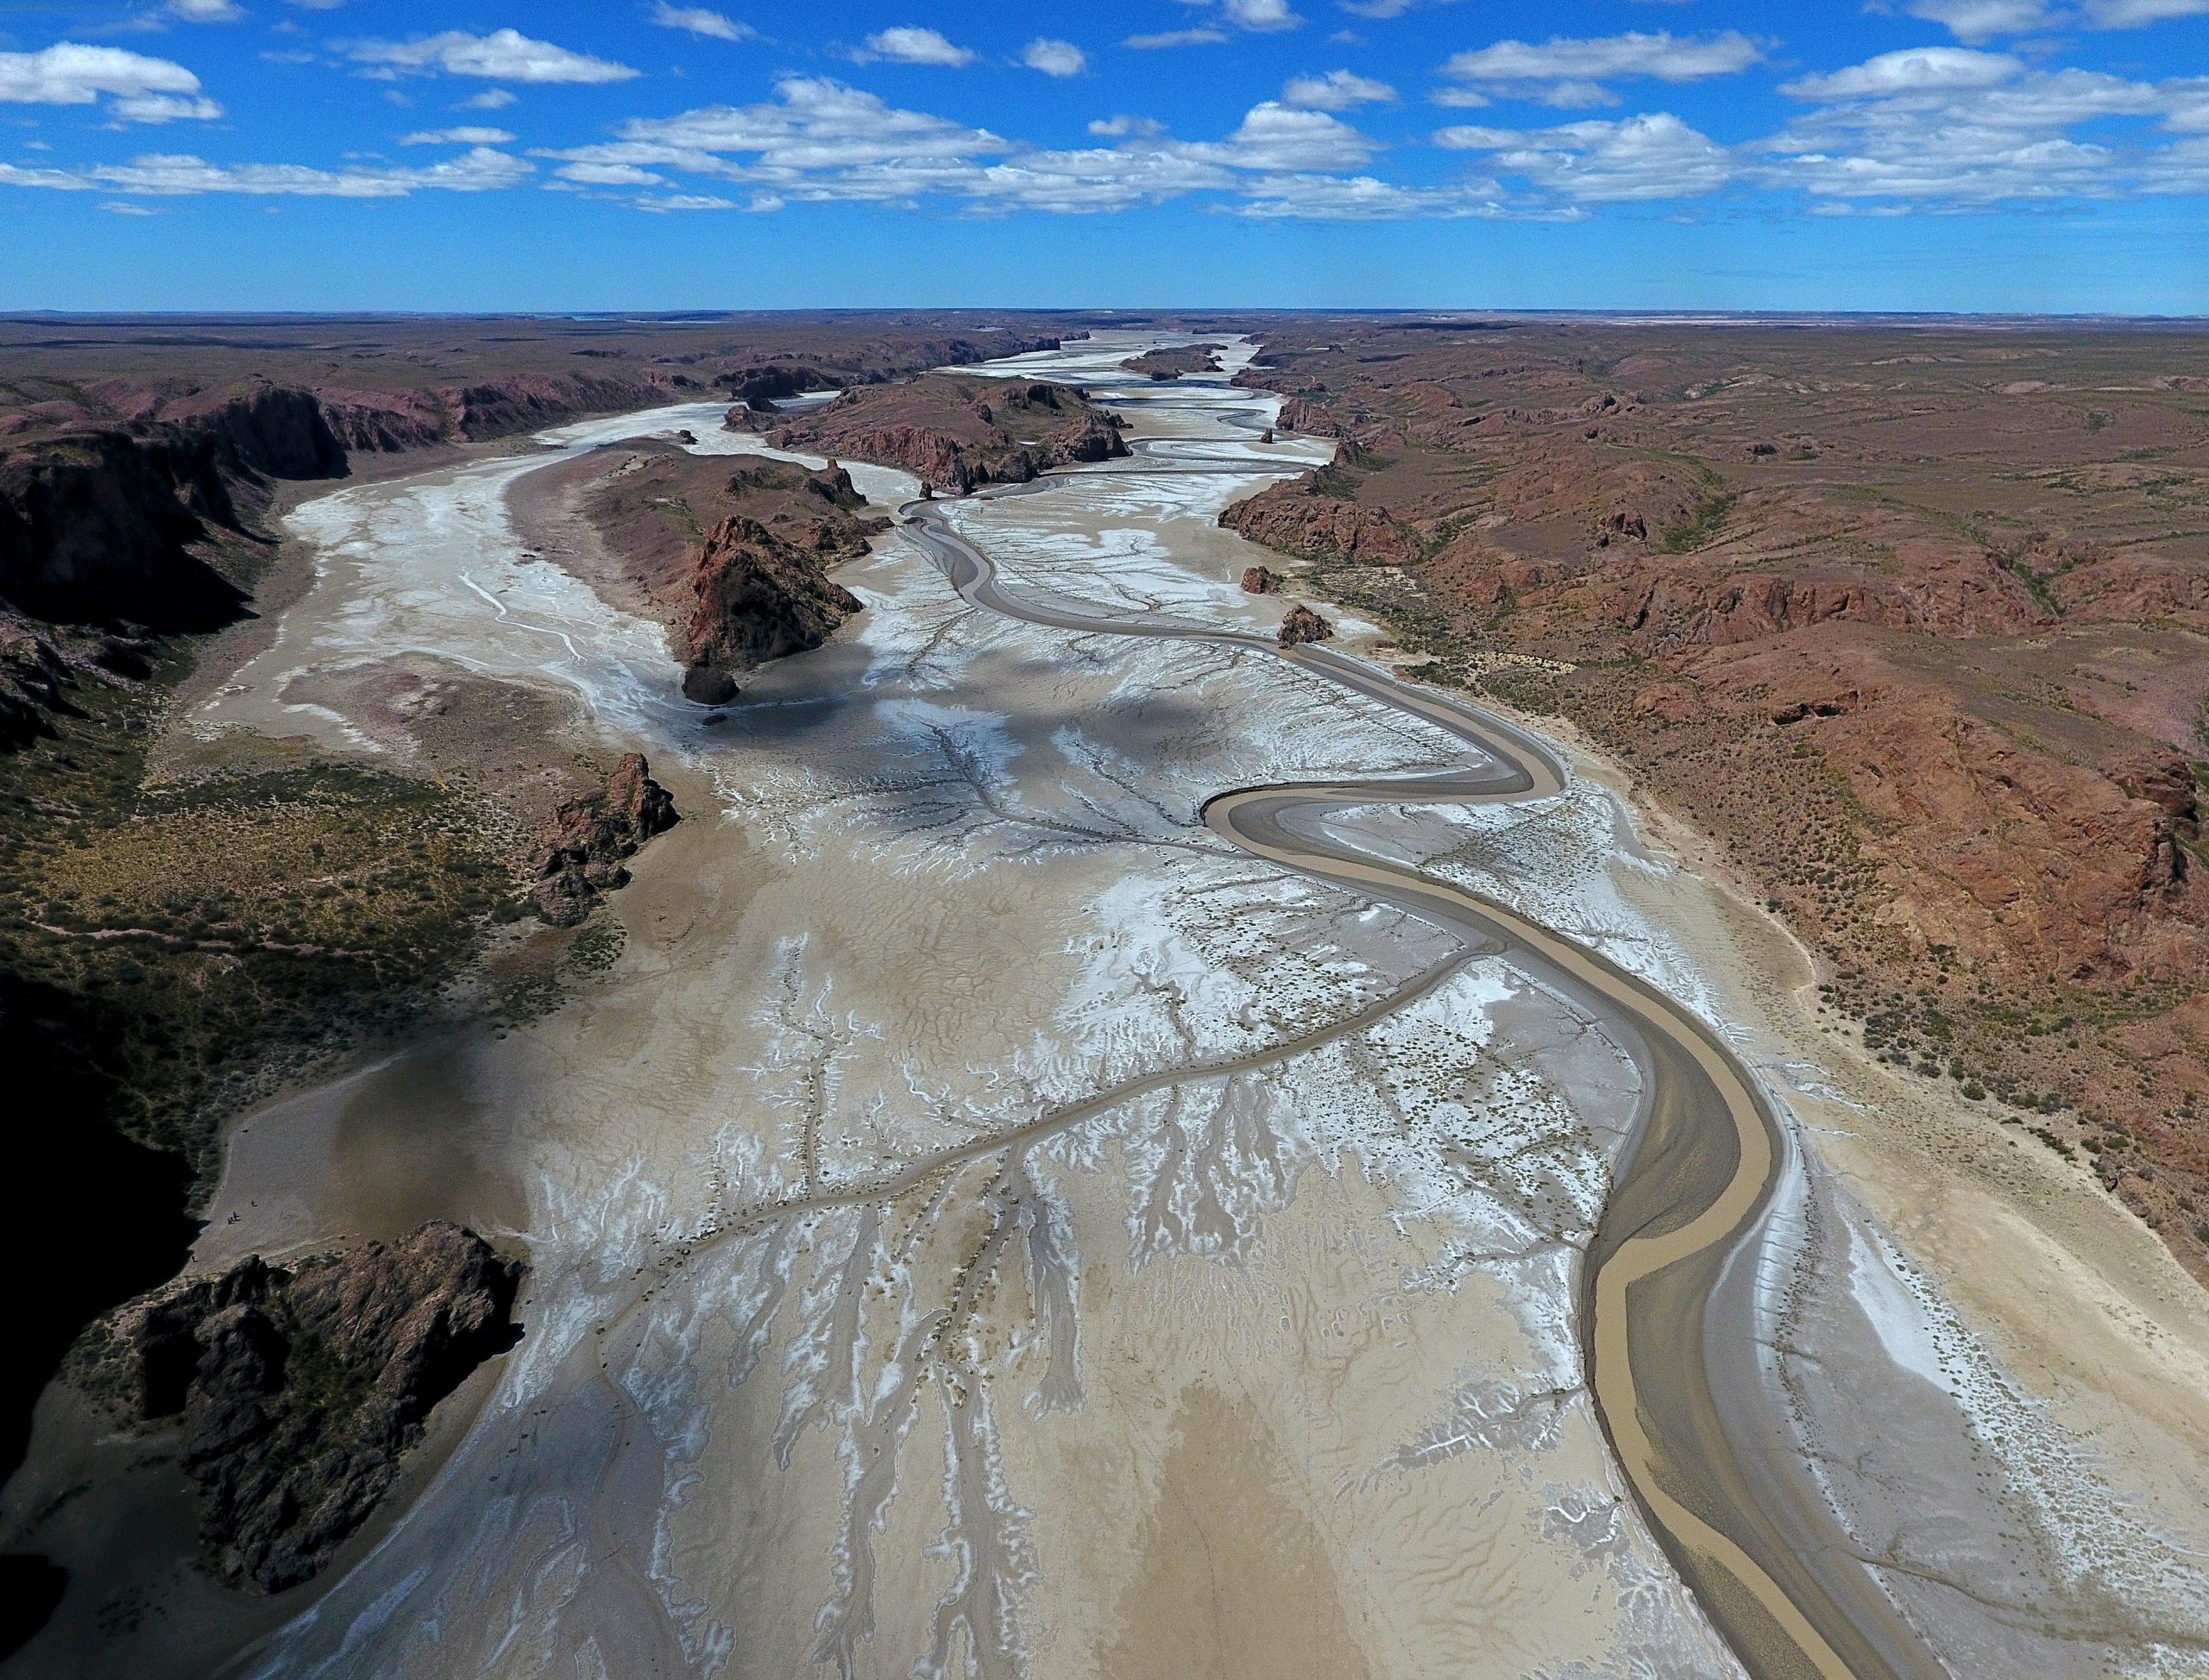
x: 864, y: 1338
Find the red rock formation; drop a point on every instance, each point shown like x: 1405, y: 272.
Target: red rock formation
x: 299, y: 1389
x: 1300, y: 517
x: 954, y: 434
x: 1303, y: 624
x: 593, y: 834
x: 759, y: 597
x: 1260, y: 580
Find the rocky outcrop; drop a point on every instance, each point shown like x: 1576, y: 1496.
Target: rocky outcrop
x: 592, y: 837
x: 297, y: 1390
x: 1303, y: 624
x: 954, y: 434
x: 1260, y: 580
x: 1170, y: 364
x: 105, y: 527
x: 1303, y: 518
x: 759, y: 596
x: 33, y: 678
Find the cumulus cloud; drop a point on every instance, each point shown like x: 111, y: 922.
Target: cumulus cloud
x: 462, y: 136
x: 1251, y: 16
x: 206, y: 12
x: 136, y: 89
x: 1979, y: 129
x: 182, y: 176
x: 1653, y: 156
x: 1338, y: 90
x: 1205, y: 36
x: 908, y: 45
x: 819, y: 140
x: 1913, y: 70
x: 504, y: 55
x: 1570, y: 71
x: 698, y: 20
x: 1976, y: 21
x: 2138, y: 14
x: 1361, y: 198
x: 1054, y: 58
x: 1272, y: 135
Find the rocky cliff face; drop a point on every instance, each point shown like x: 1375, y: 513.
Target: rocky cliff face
x: 759, y: 596
x: 1302, y: 517
x: 952, y: 434
x: 105, y: 527
x: 592, y: 837
x: 1917, y: 647
x: 297, y: 1391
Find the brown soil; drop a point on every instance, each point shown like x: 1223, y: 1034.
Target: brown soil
x: 1912, y: 624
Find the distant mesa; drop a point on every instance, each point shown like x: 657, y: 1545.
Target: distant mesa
x: 1163, y: 365
x: 953, y: 432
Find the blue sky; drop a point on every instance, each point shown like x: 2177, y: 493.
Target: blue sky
x: 1972, y: 154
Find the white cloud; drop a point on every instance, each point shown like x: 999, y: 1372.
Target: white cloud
x: 491, y: 99
x: 1653, y: 156
x: 908, y: 45
x: 206, y: 12
x: 463, y: 136
x: 164, y: 108
x: 1119, y: 128
x: 819, y: 140
x: 1260, y: 17
x: 1976, y: 21
x: 1203, y: 36
x: 1338, y: 90
x: 138, y: 89
x: 698, y: 20
x: 124, y: 207
x: 1280, y: 137
x: 2138, y: 14
x: 504, y: 55
x: 1980, y: 133
x: 1568, y: 71
x: 610, y: 174
x: 181, y: 175
x: 1913, y: 70
x: 1361, y: 198
x: 1054, y: 58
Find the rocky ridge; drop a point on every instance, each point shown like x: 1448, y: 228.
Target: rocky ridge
x: 955, y: 433
x: 1164, y: 365
x: 1921, y: 649
x: 297, y: 1390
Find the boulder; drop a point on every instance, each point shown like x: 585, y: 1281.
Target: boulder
x: 1303, y: 624
x: 1260, y: 580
